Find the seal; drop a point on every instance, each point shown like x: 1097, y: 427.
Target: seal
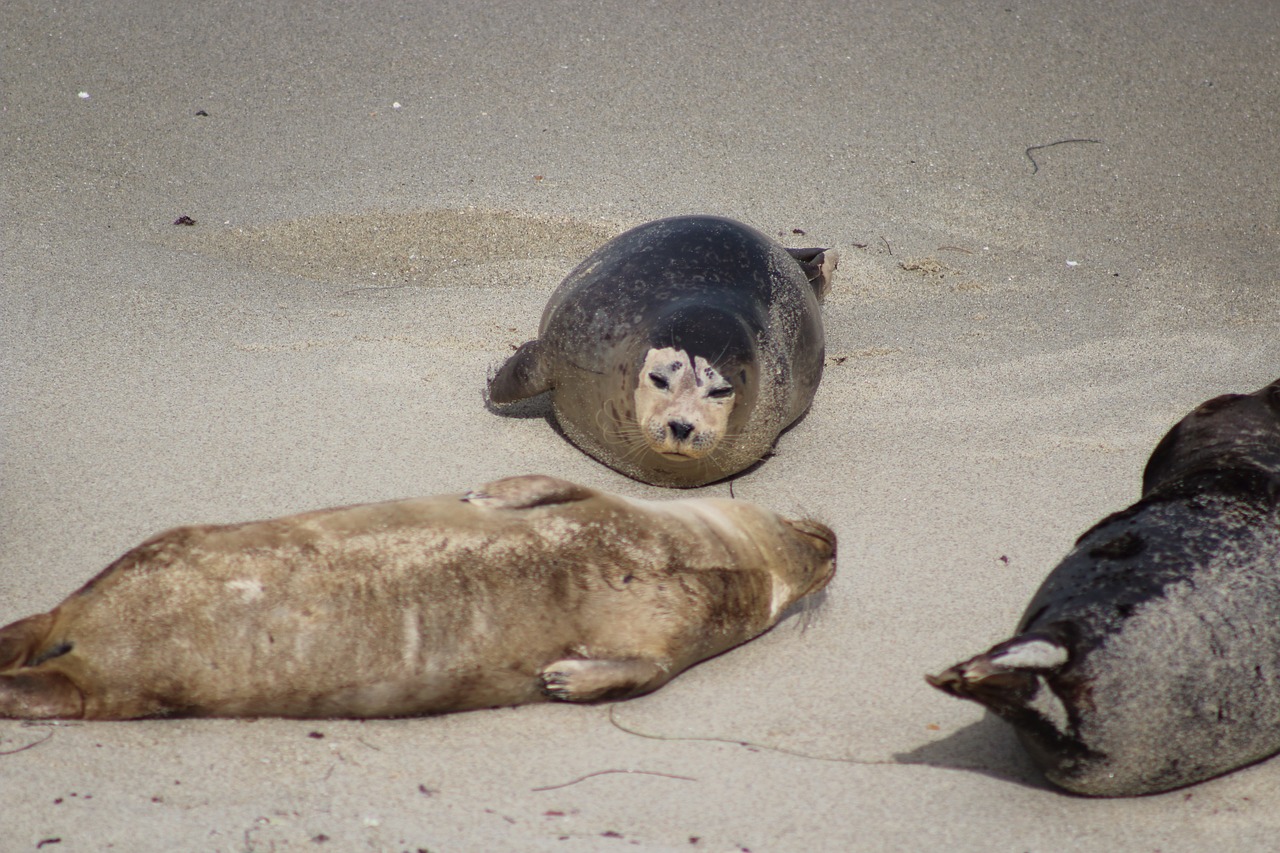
x: 1150, y: 657
x: 524, y: 590
x: 677, y: 352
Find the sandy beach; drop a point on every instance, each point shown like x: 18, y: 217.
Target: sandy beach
x: 1059, y: 229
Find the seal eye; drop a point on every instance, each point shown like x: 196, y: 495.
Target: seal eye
x: 721, y: 392
x: 658, y: 381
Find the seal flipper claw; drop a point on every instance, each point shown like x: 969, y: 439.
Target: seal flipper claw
x: 574, y: 680
x: 521, y: 376
x: 526, y: 492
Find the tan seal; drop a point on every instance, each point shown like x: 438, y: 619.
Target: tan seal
x: 525, y: 589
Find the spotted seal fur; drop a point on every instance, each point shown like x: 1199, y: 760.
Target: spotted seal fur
x: 677, y: 352
x: 1150, y: 657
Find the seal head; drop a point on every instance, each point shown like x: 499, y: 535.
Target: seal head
x: 686, y: 402
x: 677, y: 352
x: 1149, y: 659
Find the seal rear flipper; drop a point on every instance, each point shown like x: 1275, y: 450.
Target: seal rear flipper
x: 1010, y: 680
x: 574, y: 680
x: 521, y: 376
x: 20, y: 640
x: 526, y: 492
x: 819, y: 267
x: 38, y: 695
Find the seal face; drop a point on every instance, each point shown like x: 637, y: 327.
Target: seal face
x: 524, y: 590
x: 682, y: 404
x: 1150, y: 657
x: 678, y: 351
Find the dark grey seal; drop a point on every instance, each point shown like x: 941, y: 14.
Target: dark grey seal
x: 678, y: 351
x: 1150, y: 657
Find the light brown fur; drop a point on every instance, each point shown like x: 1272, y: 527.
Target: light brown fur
x: 525, y: 589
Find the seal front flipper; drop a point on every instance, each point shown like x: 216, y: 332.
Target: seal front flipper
x: 40, y: 695
x: 819, y: 267
x: 521, y: 376
x: 526, y: 492
x: 574, y: 680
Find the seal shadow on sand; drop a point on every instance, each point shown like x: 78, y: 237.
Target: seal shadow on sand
x: 532, y: 408
x: 988, y: 747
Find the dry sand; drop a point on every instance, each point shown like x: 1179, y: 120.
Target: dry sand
x: 385, y: 193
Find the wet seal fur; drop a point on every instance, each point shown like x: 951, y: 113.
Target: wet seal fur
x: 678, y: 351
x: 1150, y: 657
x: 524, y: 590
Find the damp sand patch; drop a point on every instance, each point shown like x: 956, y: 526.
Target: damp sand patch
x: 420, y: 248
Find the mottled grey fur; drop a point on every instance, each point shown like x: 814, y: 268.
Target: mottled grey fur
x: 1150, y: 657
x: 709, y: 286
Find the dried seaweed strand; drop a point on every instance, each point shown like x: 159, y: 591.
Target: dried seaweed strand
x: 606, y: 772
x: 1036, y: 166
x: 743, y: 743
x: 31, y: 745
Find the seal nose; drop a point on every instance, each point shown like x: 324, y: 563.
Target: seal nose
x: 680, y: 430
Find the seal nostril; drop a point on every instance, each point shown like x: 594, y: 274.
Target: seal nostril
x: 680, y: 430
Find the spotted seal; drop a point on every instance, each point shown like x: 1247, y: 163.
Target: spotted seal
x: 678, y: 351
x: 526, y: 589
x: 1150, y: 657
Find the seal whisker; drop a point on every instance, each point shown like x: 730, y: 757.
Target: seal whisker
x: 809, y: 609
x: 632, y: 440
